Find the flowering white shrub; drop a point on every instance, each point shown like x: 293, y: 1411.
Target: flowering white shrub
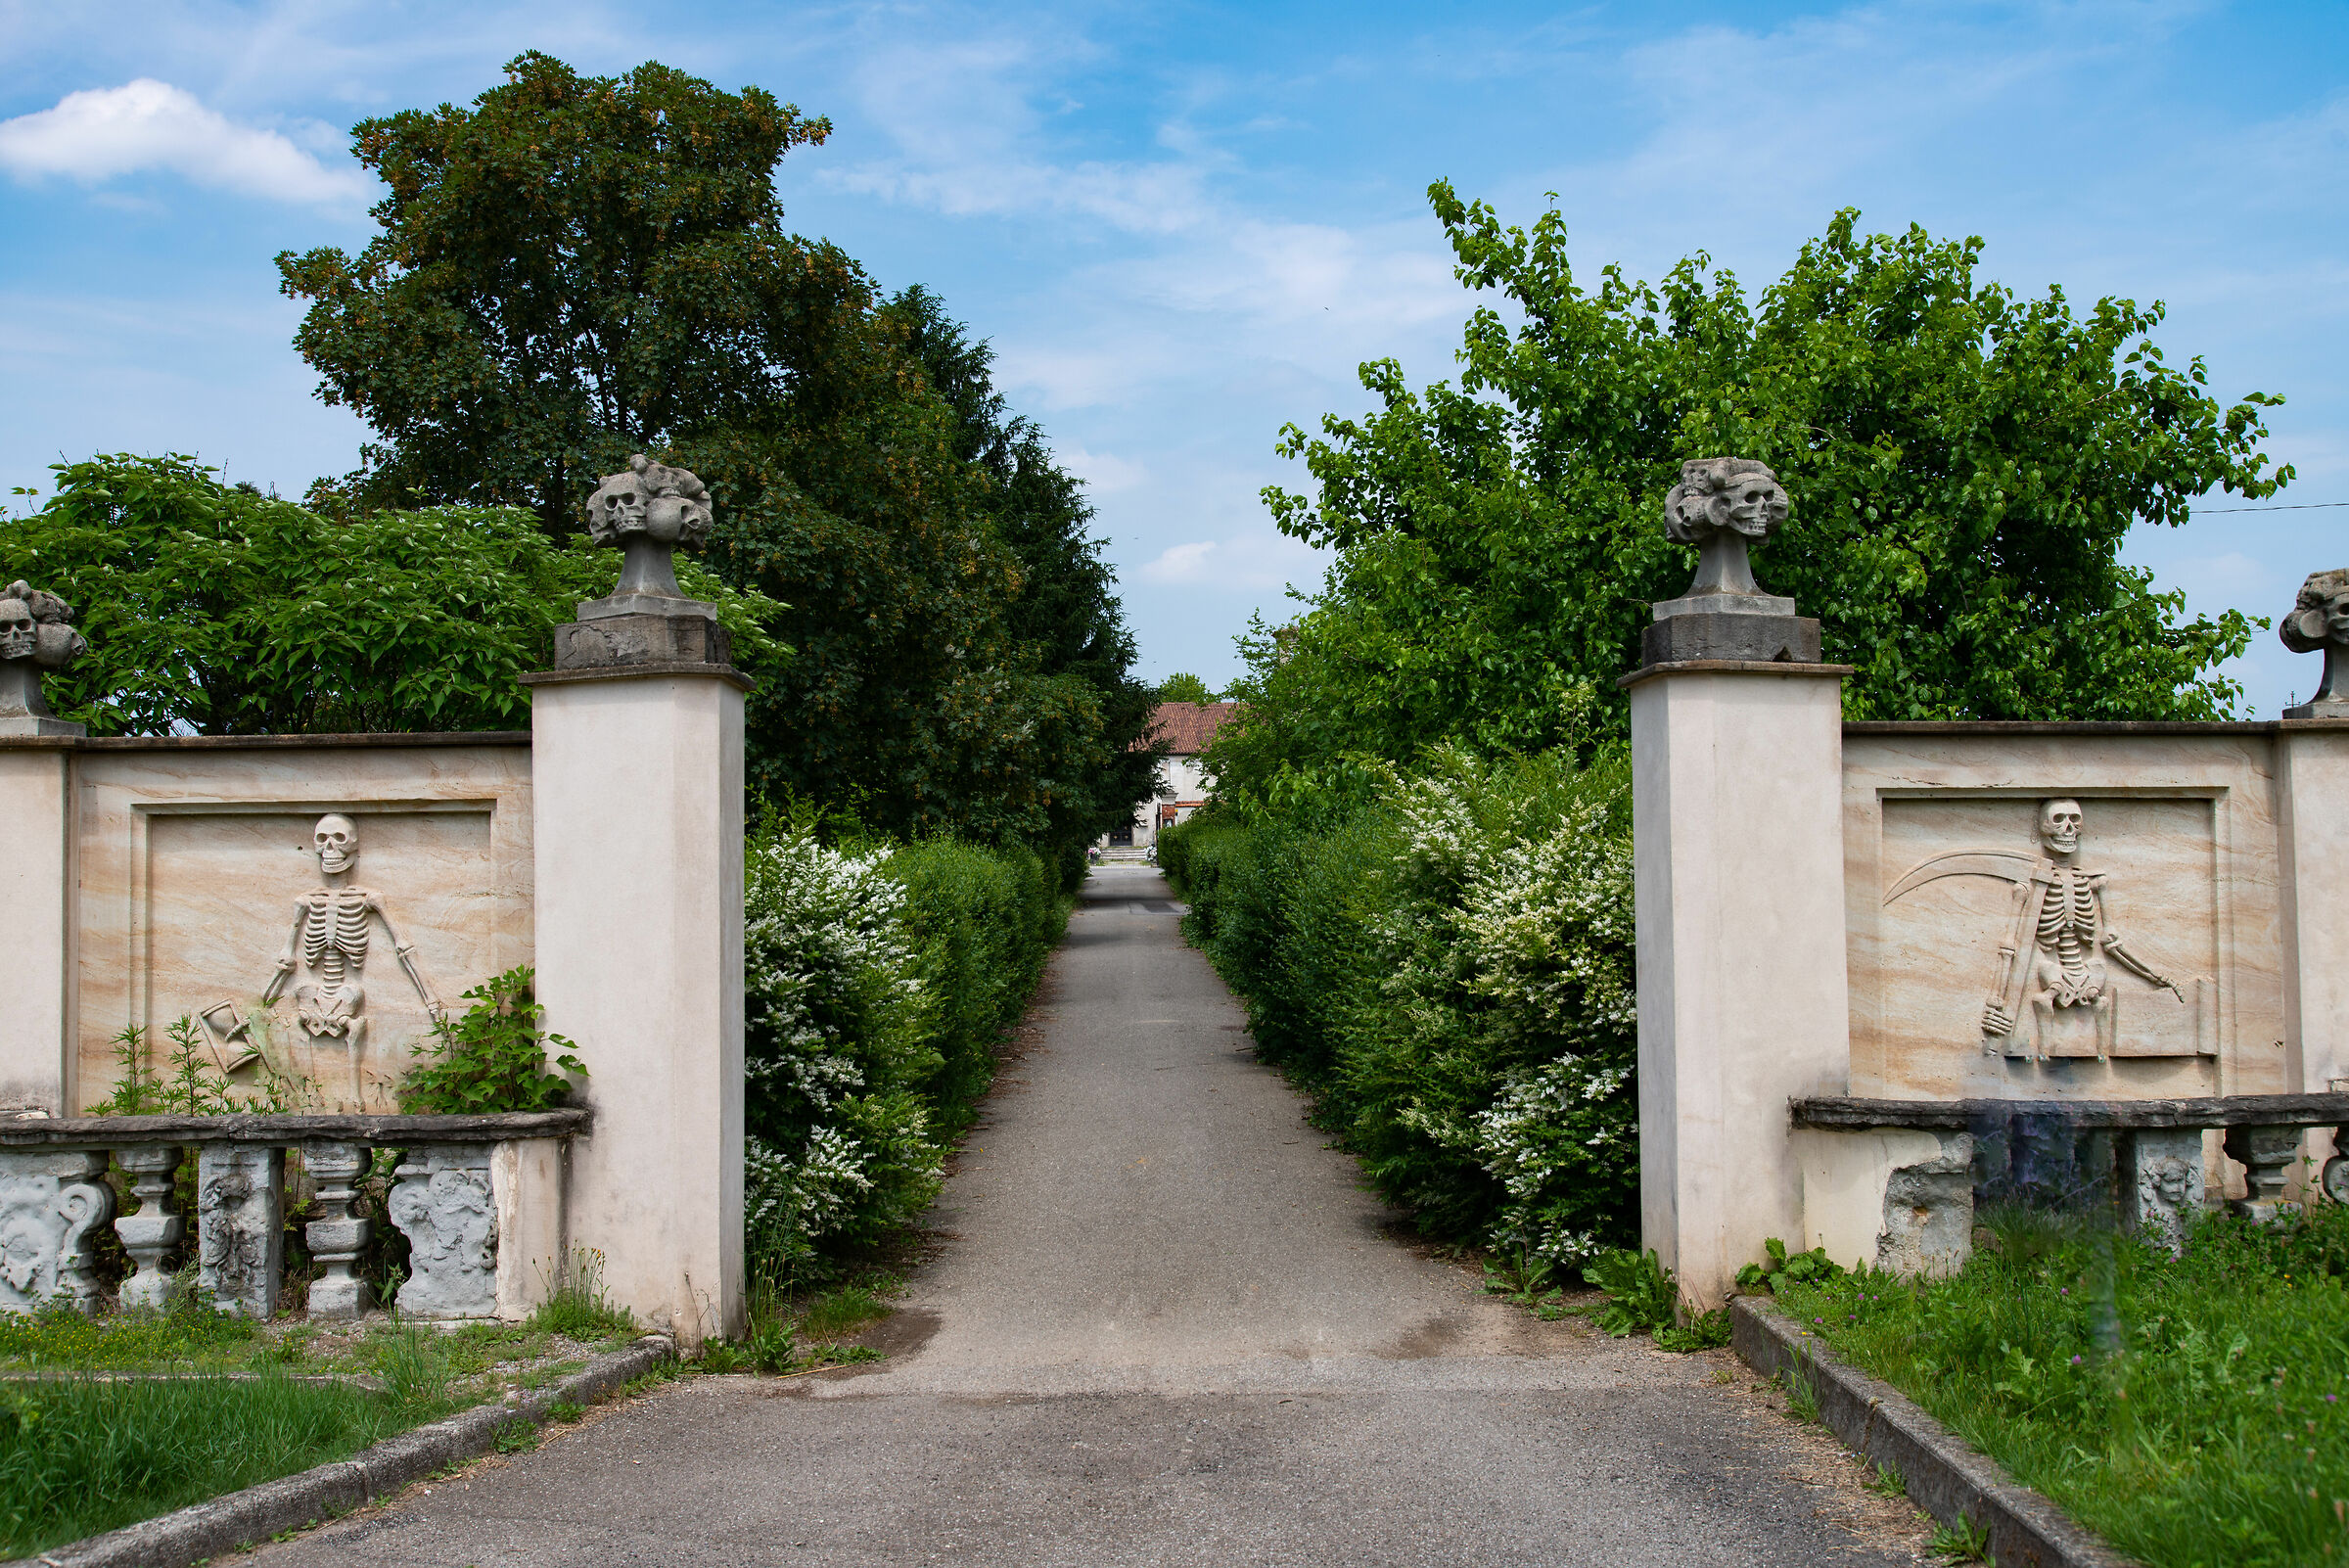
x: 877, y: 984
x: 1450, y: 971
x: 839, y: 1145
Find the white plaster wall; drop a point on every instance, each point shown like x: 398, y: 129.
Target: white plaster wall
x: 1844, y: 1175
x: 36, y: 933
x: 2313, y: 821
x: 1738, y: 875
x: 638, y: 798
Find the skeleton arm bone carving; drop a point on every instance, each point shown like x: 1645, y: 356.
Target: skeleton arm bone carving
x: 2136, y: 966
x: 286, y: 961
x: 407, y: 961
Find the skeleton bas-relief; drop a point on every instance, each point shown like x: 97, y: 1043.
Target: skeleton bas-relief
x: 332, y: 928
x: 2052, y: 990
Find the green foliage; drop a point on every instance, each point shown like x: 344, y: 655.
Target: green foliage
x: 1965, y: 463
x: 879, y: 981
x: 1780, y: 1267
x: 214, y: 608
x: 577, y: 1307
x: 1802, y: 1391
x: 572, y: 269
x: 1444, y: 960
x: 63, y: 1337
x: 491, y: 1057
x: 1703, y: 1331
x: 195, y: 1084
x: 415, y: 1369
x: 1643, y: 1296
x: 2191, y: 1410
x: 81, y: 1456
x: 1962, y: 1541
x: 1184, y: 688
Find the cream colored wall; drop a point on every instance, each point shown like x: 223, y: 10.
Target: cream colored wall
x: 2182, y: 820
x: 190, y: 855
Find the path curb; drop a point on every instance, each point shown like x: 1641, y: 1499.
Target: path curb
x: 1946, y: 1477
x: 221, y: 1525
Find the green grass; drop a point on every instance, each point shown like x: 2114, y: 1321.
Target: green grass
x: 81, y: 1455
x: 62, y: 1338
x: 2193, y: 1410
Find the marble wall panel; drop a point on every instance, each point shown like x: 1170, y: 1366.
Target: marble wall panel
x: 2182, y: 827
x: 192, y: 861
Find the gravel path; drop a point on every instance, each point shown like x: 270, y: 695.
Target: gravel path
x: 1166, y: 1325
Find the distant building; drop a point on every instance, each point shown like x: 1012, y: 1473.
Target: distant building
x: 1181, y: 785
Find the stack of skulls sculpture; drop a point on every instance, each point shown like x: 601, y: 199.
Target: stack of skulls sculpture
x: 2319, y: 621
x: 35, y: 635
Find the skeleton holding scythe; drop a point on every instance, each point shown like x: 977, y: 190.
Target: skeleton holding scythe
x: 332, y: 925
x: 2054, y: 957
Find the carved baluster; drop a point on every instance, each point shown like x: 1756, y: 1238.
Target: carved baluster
x: 2266, y: 1154
x: 2336, y: 1168
x: 2161, y: 1181
x: 339, y: 1234
x: 240, y: 1225
x: 445, y: 1206
x: 49, y: 1199
x: 157, y: 1226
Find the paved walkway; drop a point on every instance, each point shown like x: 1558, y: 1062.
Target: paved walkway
x: 1167, y: 1326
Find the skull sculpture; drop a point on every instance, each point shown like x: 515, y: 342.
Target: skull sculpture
x: 33, y: 636
x: 1722, y: 505
x: 652, y: 500
x: 2319, y: 621
x: 338, y: 842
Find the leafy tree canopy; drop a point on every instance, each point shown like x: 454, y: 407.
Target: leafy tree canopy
x: 1964, y: 464
x: 213, y: 609
x: 576, y: 268
x: 1184, y: 688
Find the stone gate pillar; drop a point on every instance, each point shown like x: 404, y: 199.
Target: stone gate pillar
x: 1738, y: 842
x: 636, y: 783
x: 36, y: 871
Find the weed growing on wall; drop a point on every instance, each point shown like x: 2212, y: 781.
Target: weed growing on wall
x: 491, y: 1057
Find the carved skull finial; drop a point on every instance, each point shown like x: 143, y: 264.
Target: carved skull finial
x: 34, y: 625
x: 2319, y: 621
x: 337, y: 838
x: 1723, y: 496
x: 652, y: 500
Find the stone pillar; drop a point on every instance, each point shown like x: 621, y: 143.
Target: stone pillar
x: 241, y: 1227
x: 636, y: 784
x: 156, y: 1228
x: 36, y: 925
x: 2311, y: 767
x: 339, y: 1233
x: 445, y: 1205
x: 1738, y: 842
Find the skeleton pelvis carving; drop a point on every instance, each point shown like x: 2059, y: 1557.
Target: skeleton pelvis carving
x: 330, y: 1008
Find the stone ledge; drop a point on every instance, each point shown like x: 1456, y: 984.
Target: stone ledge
x: 232, y: 743
x: 1730, y: 666
x: 1835, y: 1111
x: 645, y: 671
x: 108, y: 1131
x: 1946, y: 1477
x: 242, y: 1519
x: 2014, y: 727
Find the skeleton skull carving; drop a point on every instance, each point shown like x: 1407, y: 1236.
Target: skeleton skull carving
x: 652, y: 500
x: 338, y: 842
x: 2059, y: 823
x: 19, y: 631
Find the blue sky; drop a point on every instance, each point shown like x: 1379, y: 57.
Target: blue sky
x: 1182, y: 225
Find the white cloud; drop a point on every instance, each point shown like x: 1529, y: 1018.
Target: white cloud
x: 146, y: 124
x: 1182, y: 562
x: 1103, y: 472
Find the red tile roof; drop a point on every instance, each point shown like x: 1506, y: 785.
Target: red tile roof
x: 1188, y: 726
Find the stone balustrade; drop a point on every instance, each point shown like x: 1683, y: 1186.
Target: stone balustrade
x: 2144, y: 1158
x: 480, y: 1199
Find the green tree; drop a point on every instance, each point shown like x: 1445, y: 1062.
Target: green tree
x: 1184, y: 688
x: 576, y: 268
x: 1964, y: 464
x: 214, y: 608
